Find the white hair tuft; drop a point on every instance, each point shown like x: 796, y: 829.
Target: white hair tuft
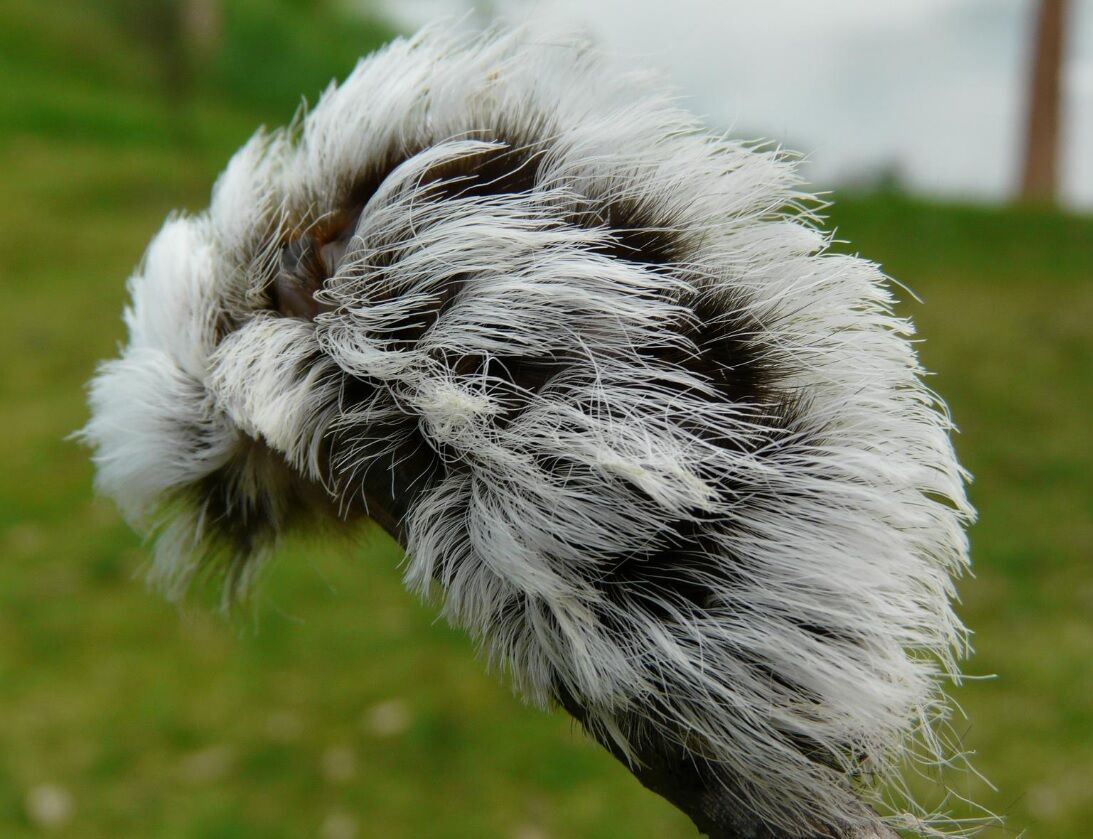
x: 669, y: 460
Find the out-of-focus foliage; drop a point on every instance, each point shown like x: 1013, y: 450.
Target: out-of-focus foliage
x: 335, y: 705
x: 123, y: 71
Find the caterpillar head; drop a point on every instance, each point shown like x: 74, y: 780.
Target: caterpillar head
x: 668, y: 460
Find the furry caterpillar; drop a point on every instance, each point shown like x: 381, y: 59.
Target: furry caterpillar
x: 666, y: 458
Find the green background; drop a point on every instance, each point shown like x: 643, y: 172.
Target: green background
x: 334, y: 705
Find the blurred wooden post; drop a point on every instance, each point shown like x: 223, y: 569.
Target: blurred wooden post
x: 1040, y: 171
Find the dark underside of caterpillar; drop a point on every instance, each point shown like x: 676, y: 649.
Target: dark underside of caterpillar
x: 727, y: 354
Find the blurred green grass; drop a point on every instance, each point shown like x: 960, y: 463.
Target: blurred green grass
x: 335, y: 705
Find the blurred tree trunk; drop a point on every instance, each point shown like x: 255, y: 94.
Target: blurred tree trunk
x: 186, y: 37
x: 183, y: 36
x: 1040, y: 172
x: 202, y: 25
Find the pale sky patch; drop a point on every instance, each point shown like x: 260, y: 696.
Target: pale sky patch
x: 932, y: 90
